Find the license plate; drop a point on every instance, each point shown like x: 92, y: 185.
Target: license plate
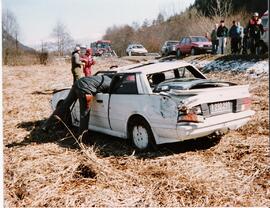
x: 220, y: 108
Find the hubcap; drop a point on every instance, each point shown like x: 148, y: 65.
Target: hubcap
x: 140, y: 137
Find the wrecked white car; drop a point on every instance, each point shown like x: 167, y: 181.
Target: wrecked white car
x: 163, y: 102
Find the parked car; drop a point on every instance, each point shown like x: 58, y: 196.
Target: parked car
x: 169, y: 47
x: 102, y: 48
x: 136, y: 49
x: 163, y: 102
x: 265, y: 36
x: 193, y: 45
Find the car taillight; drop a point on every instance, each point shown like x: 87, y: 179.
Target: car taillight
x: 190, y: 115
x: 243, y: 104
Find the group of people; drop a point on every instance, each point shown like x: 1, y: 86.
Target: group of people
x: 84, y: 88
x: 81, y: 64
x: 242, y: 39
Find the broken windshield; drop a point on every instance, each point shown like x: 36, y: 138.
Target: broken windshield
x: 187, y: 72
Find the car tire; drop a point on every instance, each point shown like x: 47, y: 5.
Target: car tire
x: 141, y: 135
x: 193, y: 51
x: 178, y: 54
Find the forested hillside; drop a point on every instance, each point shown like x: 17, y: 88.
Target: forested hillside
x: 199, y: 19
x: 210, y: 7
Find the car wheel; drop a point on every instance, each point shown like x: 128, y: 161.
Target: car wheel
x: 141, y: 134
x: 178, y: 53
x: 193, y: 51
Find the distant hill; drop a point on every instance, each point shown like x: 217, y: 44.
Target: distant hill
x: 9, y: 42
x: 16, y: 53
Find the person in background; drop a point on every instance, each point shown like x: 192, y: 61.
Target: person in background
x: 206, y: 35
x: 76, y: 64
x: 234, y: 35
x: 245, y: 42
x: 214, y: 39
x: 240, y: 31
x: 255, y: 30
x: 88, y: 60
x: 222, y: 33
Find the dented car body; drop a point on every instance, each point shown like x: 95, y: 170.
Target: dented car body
x: 164, y: 102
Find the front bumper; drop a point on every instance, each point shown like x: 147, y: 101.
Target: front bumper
x: 136, y: 53
x: 204, y: 49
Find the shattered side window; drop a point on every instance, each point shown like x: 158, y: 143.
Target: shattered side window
x: 124, y: 84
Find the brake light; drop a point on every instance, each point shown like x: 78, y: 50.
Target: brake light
x: 190, y: 115
x: 243, y: 104
x: 246, y: 103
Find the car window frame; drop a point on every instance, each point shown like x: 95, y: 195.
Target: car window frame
x: 124, y: 75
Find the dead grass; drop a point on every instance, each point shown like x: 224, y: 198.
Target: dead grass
x: 53, y: 170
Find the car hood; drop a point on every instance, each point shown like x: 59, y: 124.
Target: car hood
x: 187, y: 84
x: 139, y: 50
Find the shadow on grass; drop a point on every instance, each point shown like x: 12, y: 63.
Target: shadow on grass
x: 106, y: 145
x: 59, y: 135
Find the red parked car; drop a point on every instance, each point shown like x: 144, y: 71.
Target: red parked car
x: 193, y: 45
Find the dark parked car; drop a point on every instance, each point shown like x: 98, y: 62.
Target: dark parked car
x: 193, y: 45
x: 169, y: 48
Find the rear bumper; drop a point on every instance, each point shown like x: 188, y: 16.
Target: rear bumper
x: 229, y: 121
x: 185, y: 131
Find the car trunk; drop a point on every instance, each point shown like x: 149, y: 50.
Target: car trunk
x: 215, y: 101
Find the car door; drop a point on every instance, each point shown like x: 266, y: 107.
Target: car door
x: 123, y: 100
x: 99, y: 111
x: 188, y: 45
x: 183, y: 45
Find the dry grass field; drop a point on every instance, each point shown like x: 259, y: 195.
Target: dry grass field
x: 53, y: 170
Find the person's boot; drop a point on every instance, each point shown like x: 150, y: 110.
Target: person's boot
x: 48, y: 123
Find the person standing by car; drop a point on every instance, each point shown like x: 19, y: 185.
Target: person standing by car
x: 214, y: 39
x: 88, y: 60
x: 76, y: 64
x: 255, y: 30
x: 83, y: 89
x: 222, y: 33
x: 234, y: 35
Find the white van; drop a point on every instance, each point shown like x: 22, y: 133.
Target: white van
x: 265, y: 23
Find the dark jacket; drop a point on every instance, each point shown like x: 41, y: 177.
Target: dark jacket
x: 94, y: 84
x: 75, y: 60
x: 234, y: 32
x: 214, y: 35
x: 222, y: 31
x: 255, y: 28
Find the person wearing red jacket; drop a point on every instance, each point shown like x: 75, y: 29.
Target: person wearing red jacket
x: 89, y: 61
x: 255, y: 30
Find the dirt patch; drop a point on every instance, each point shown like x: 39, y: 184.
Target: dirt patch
x: 53, y: 170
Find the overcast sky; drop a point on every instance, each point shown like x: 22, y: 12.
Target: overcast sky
x: 85, y: 19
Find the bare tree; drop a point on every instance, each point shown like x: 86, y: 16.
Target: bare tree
x: 221, y: 8
x: 63, y: 38
x: 10, y: 35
